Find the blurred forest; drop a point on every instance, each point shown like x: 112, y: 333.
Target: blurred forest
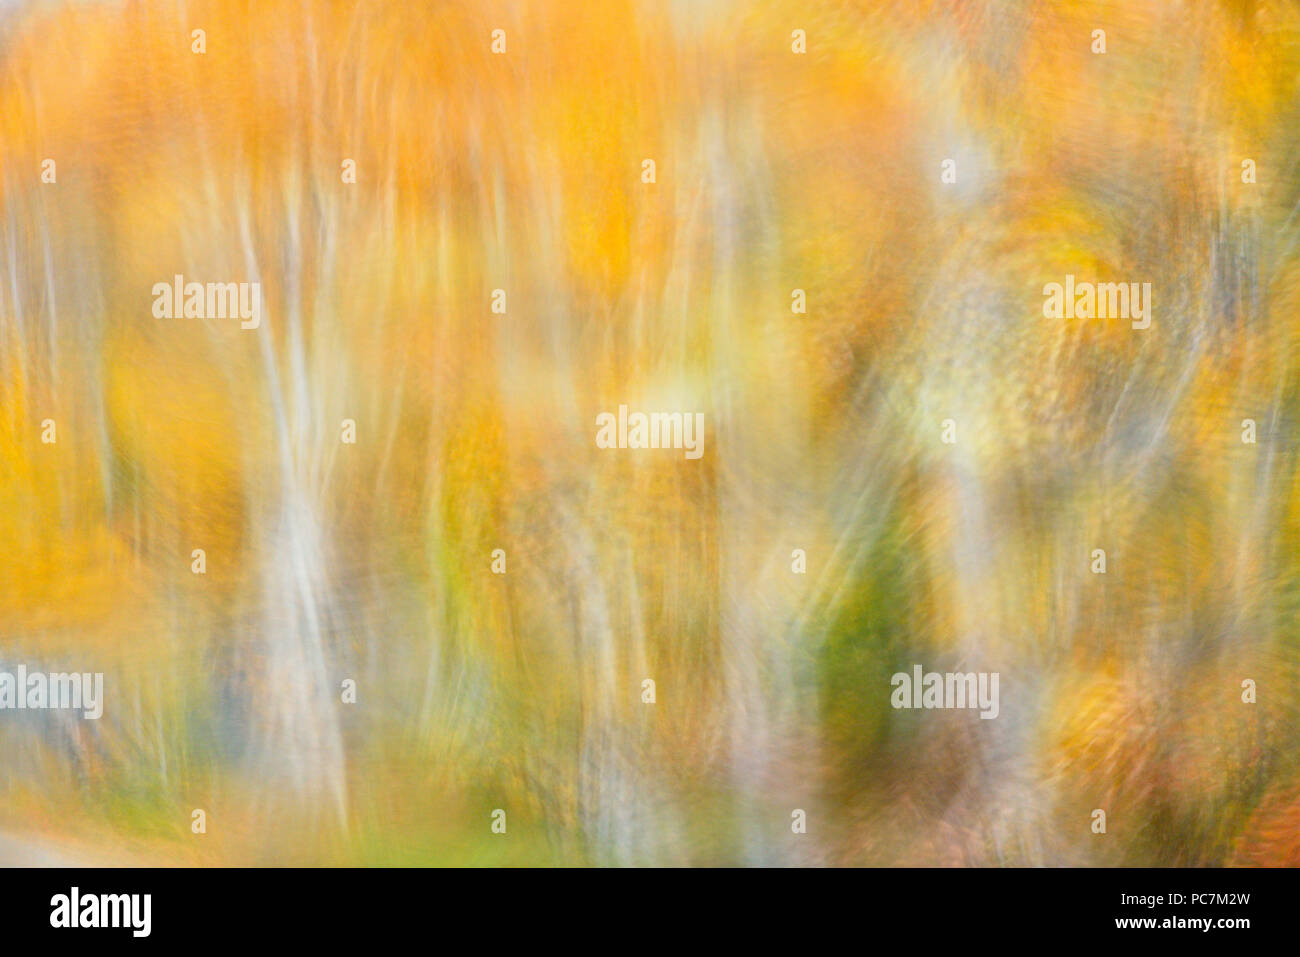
x: 775, y: 171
